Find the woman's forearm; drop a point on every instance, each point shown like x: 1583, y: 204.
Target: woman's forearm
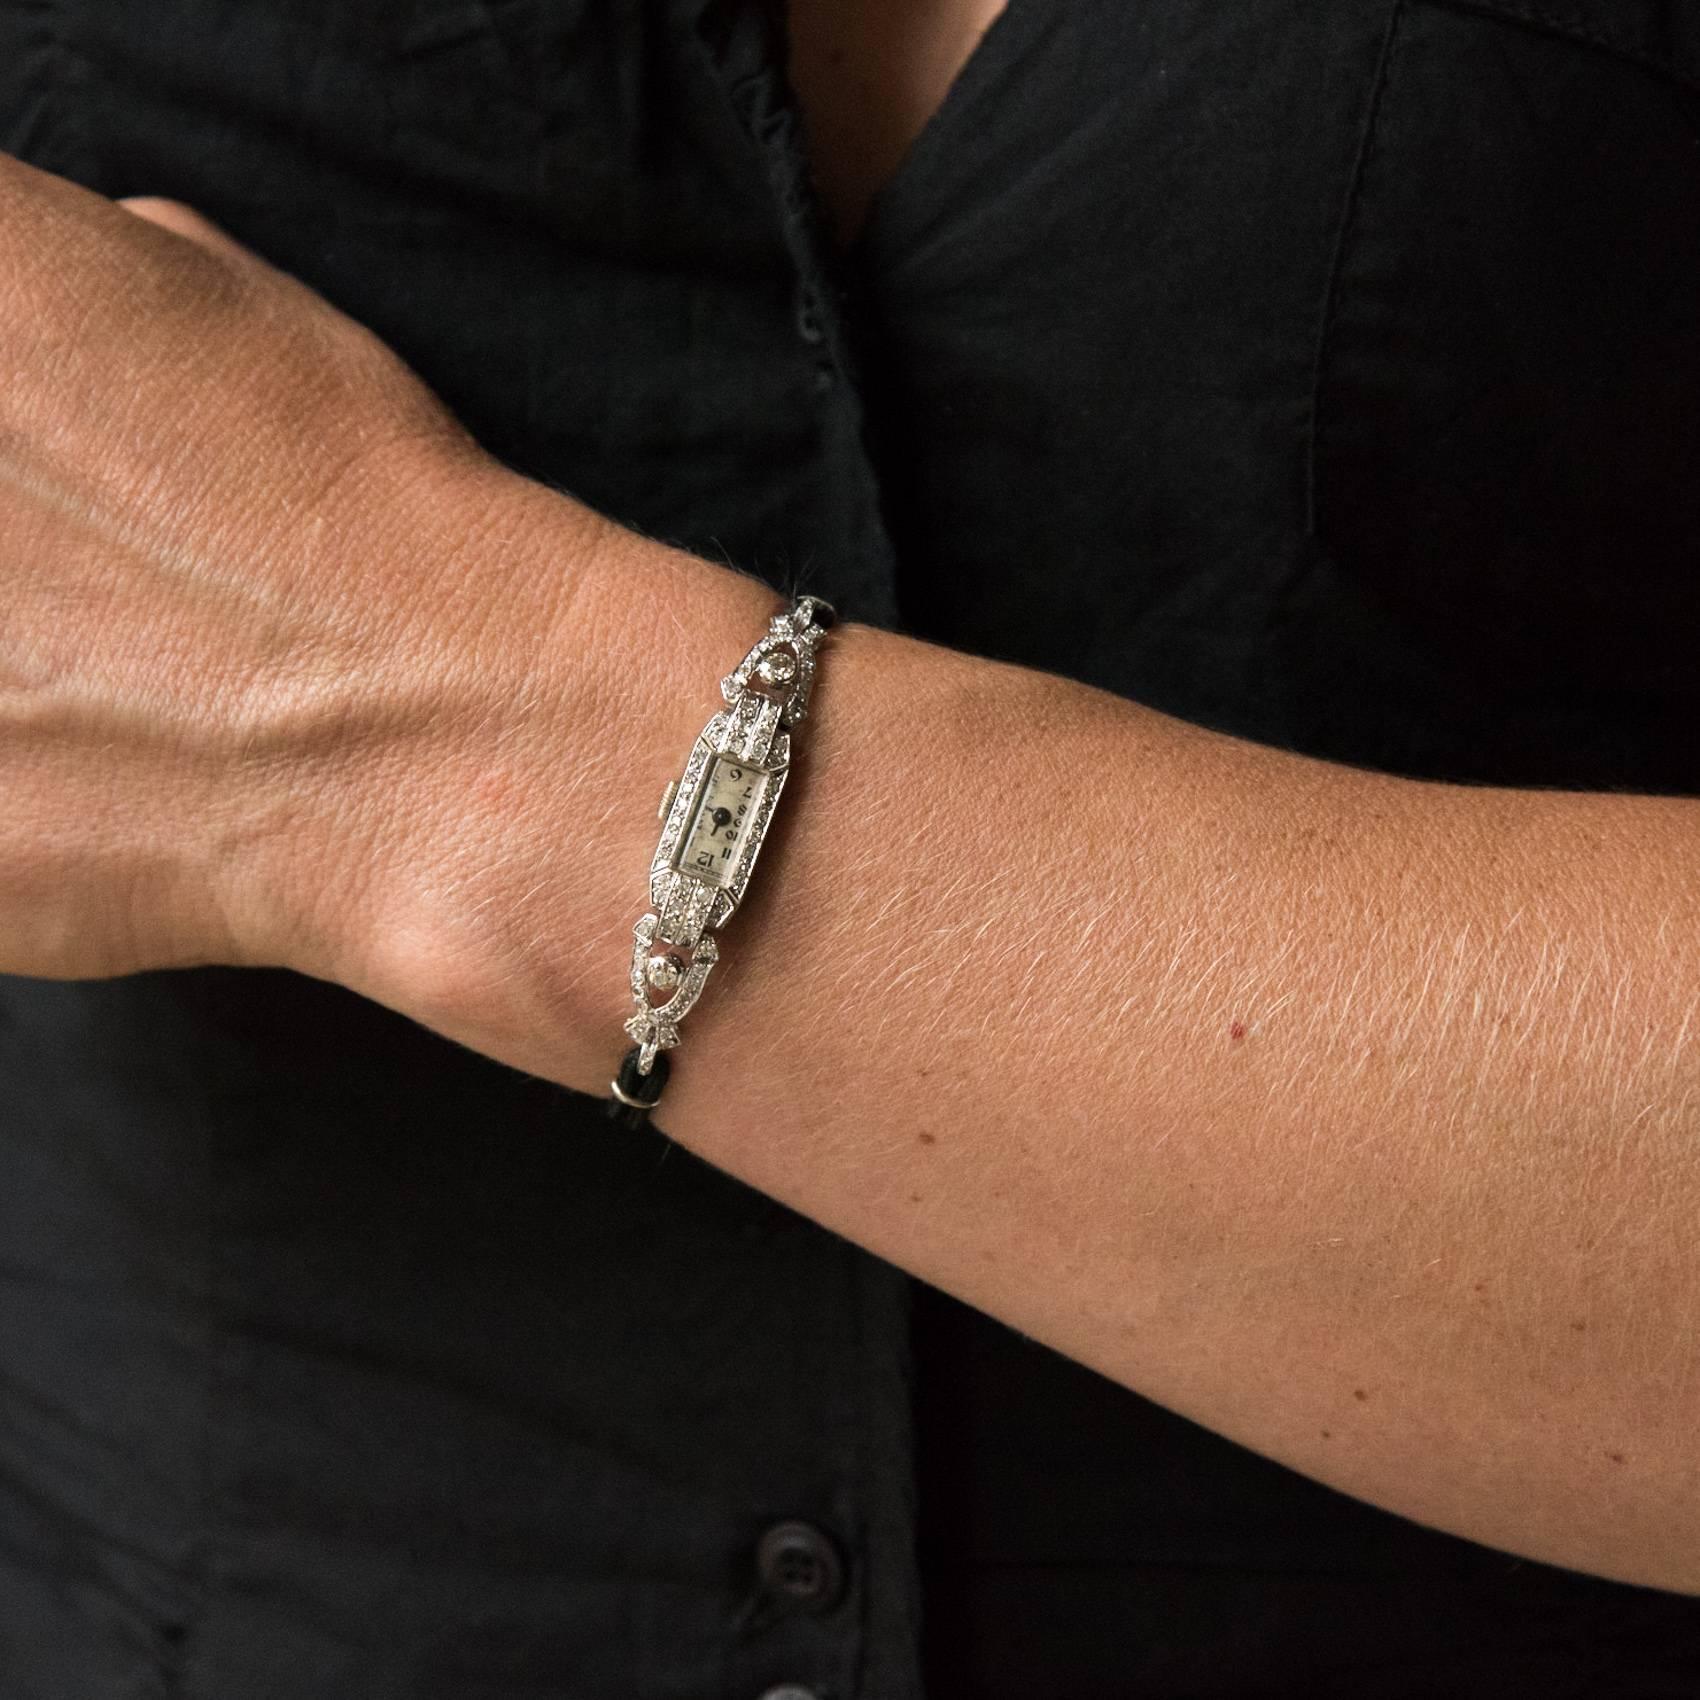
x: 1357, y: 1118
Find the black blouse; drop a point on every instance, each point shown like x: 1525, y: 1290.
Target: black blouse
x: 1325, y: 373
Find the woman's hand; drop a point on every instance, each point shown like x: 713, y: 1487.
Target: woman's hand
x: 253, y: 572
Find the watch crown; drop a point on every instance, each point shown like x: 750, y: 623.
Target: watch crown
x: 667, y: 797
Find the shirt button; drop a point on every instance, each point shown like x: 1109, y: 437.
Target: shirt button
x: 809, y: 325
x: 799, y: 1564
x: 790, y: 1691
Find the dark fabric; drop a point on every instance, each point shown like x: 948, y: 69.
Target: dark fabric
x: 1325, y: 373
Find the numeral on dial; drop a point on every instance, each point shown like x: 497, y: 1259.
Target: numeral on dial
x: 725, y: 806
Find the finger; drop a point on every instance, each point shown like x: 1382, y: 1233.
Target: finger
x: 185, y: 221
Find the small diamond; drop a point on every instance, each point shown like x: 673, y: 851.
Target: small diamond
x: 777, y: 668
x: 663, y: 972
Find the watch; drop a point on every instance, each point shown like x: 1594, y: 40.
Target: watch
x: 715, y: 817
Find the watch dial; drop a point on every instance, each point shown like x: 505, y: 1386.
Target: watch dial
x: 726, y: 805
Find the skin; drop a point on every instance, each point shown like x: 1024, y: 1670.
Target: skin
x: 869, y: 76
x: 1357, y: 1118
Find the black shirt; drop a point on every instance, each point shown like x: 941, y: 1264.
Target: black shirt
x: 1329, y: 374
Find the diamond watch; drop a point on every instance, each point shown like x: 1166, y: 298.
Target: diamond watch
x: 716, y: 815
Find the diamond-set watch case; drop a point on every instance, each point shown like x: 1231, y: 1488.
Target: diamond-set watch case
x: 673, y: 946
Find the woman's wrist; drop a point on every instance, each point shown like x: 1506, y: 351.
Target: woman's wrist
x: 500, y: 848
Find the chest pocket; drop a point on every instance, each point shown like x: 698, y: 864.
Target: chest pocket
x: 1507, y: 417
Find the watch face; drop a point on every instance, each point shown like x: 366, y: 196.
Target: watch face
x: 720, y: 819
